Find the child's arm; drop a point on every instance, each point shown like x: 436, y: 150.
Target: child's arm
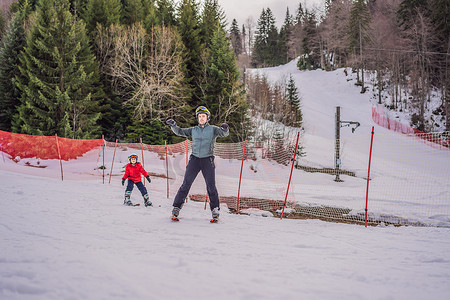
x: 126, y: 175
x: 143, y: 172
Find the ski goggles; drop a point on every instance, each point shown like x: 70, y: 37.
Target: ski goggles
x: 132, y: 156
x: 202, y: 109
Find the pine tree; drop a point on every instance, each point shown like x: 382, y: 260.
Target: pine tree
x: 2, y: 25
x: 359, y: 33
x: 12, y: 43
x: 266, y: 51
x: 285, y: 33
x: 294, y: 101
x: 212, y: 16
x: 104, y: 12
x: 310, y: 49
x: 19, y: 4
x: 133, y: 12
x: 188, y: 27
x: 407, y: 12
x: 224, y: 94
x: 236, y: 41
x: 300, y: 15
x: 166, y: 13
x: 59, y: 82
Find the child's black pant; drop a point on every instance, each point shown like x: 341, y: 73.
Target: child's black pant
x: 139, y: 185
x: 195, y: 165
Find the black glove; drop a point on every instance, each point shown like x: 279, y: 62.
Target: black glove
x: 123, y: 181
x: 224, y: 126
x: 171, y: 122
x: 148, y: 179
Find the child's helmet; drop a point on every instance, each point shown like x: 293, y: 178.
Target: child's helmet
x: 202, y: 110
x: 132, y: 156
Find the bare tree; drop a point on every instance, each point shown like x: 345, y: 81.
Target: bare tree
x: 334, y: 32
x: 146, y: 68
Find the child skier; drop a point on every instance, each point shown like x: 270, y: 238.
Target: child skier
x: 133, y: 172
x: 202, y: 159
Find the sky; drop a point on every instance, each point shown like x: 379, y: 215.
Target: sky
x: 242, y: 9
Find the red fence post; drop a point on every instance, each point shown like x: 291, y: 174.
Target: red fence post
x: 290, y: 176
x: 142, y: 154
x: 112, y: 164
x: 103, y: 165
x: 167, y: 170
x: 240, y: 177
x: 368, y: 175
x: 187, y: 150
x: 59, y: 155
x: 206, y: 200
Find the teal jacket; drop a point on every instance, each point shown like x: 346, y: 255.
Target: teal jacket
x: 203, y: 138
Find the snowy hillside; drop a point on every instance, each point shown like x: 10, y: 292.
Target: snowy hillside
x: 74, y: 239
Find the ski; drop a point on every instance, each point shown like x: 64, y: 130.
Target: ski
x: 214, y: 220
x: 175, y: 219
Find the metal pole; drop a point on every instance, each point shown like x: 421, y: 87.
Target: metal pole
x: 290, y: 176
x: 368, y: 175
x: 337, y: 160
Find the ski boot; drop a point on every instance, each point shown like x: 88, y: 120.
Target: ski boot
x: 215, y: 215
x: 175, y: 213
x: 127, y: 200
x: 147, y: 201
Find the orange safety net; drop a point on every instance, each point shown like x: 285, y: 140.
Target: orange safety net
x: 379, y: 117
x: 44, y: 147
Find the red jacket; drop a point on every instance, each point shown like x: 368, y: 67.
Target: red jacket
x: 134, y: 172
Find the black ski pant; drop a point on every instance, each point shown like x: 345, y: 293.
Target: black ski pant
x: 195, y: 165
x: 139, y: 185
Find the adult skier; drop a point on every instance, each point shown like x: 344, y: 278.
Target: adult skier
x: 202, y: 159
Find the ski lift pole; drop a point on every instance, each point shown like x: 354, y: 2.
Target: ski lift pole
x: 290, y: 176
x: 368, y: 175
x: 337, y: 159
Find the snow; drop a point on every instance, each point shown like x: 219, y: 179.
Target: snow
x: 74, y: 239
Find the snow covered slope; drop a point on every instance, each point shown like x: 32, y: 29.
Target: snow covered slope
x: 75, y: 240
